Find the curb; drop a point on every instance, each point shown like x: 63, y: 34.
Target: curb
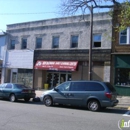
x: 122, y: 107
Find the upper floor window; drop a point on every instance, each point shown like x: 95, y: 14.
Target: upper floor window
x: 12, y: 44
x: 24, y: 43
x: 38, y: 42
x: 124, y: 36
x: 74, y: 41
x: 97, y: 40
x: 55, y: 42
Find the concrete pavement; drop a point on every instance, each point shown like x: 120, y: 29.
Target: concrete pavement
x: 124, y: 101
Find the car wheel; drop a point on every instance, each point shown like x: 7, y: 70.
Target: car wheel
x: 12, y: 98
x: 48, y: 101
x: 93, y: 105
x: 26, y: 99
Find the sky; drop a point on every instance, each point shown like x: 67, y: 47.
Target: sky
x: 18, y: 11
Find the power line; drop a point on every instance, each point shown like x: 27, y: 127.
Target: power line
x: 28, y: 13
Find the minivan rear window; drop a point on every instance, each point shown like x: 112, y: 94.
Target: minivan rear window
x: 112, y: 89
x: 93, y: 86
x: 78, y: 86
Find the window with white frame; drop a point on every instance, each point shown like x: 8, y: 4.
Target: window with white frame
x: 12, y: 44
x: 124, y: 37
x: 55, y: 42
x: 38, y: 42
x: 74, y: 41
x: 24, y: 43
x: 97, y: 40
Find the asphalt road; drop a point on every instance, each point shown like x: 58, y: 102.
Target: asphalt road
x: 36, y: 116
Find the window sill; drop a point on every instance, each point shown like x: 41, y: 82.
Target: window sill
x: 126, y: 86
x: 124, y: 44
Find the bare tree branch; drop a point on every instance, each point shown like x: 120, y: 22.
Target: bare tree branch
x: 73, y: 6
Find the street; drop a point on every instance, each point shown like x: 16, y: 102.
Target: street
x: 36, y: 116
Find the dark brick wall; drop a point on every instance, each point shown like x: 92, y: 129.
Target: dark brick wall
x: 79, y: 55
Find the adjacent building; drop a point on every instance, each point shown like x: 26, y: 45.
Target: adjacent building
x: 56, y: 50
x: 2, y: 55
x: 120, y: 69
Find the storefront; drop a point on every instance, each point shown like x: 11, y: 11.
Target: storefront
x: 53, y: 67
x: 56, y: 72
x: 57, y: 77
x: 19, y: 67
x: 122, y: 74
x: 23, y: 76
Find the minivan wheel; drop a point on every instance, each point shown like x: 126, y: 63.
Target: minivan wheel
x: 12, y: 98
x: 48, y: 101
x: 93, y: 105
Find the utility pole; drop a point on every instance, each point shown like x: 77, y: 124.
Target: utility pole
x: 91, y: 43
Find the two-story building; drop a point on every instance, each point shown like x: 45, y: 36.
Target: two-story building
x: 120, y: 69
x: 56, y: 50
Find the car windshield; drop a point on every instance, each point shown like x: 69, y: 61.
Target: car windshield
x: 21, y: 86
x: 112, y: 89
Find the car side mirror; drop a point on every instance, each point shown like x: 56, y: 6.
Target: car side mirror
x: 56, y: 89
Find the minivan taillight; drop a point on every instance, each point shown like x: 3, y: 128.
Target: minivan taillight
x: 108, y: 95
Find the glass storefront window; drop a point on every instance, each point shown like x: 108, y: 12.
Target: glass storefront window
x: 122, y: 76
x: 25, y: 76
x: 55, y: 78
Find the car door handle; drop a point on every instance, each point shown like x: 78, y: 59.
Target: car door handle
x: 70, y: 94
x: 66, y: 94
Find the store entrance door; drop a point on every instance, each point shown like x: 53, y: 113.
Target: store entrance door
x: 55, y: 78
x: 62, y: 78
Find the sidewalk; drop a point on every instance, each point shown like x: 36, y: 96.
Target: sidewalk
x: 39, y: 92
x: 124, y: 101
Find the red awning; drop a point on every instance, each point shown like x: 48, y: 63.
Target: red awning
x: 56, y: 65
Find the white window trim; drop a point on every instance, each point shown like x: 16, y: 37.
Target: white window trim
x: 127, y: 37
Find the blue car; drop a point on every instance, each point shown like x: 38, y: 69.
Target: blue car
x: 14, y: 91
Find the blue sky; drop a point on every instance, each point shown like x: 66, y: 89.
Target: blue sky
x: 8, y: 7
x: 11, y: 11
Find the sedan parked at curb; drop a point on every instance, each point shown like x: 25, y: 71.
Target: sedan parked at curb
x: 14, y: 91
x: 91, y: 94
